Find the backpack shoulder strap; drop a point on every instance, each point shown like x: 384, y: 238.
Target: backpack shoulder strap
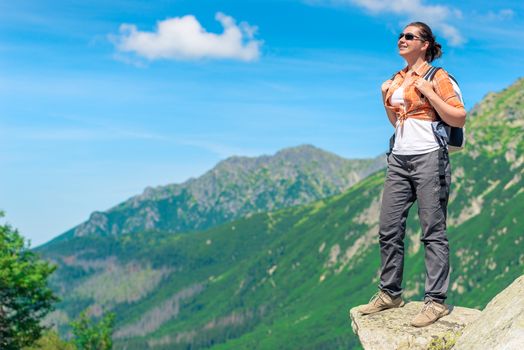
x: 430, y: 74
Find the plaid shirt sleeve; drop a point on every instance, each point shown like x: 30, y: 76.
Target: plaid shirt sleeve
x: 444, y: 89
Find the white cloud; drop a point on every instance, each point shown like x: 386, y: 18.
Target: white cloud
x: 184, y: 38
x: 506, y: 13
x: 501, y: 15
x: 436, y: 16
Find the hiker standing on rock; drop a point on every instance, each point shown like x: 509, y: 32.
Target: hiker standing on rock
x: 418, y: 169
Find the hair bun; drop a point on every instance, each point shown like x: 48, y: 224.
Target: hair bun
x: 434, y: 49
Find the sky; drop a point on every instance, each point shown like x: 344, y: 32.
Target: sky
x: 100, y: 99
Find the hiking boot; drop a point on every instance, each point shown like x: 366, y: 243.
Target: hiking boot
x: 381, y: 301
x: 431, y: 311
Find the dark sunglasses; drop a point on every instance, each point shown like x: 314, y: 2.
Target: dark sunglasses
x: 409, y: 36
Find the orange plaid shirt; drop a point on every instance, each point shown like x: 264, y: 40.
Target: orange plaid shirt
x: 416, y: 106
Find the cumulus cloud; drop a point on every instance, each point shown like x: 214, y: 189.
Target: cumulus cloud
x: 184, y: 38
x: 437, y: 16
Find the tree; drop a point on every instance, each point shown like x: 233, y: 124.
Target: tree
x: 50, y: 340
x: 25, y: 298
x: 93, y: 336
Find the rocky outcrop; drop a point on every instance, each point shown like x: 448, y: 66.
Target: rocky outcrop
x: 501, y: 324
x: 391, y: 329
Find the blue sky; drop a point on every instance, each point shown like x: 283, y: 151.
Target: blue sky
x: 97, y: 102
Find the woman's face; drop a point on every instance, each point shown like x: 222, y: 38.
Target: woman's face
x: 414, y: 47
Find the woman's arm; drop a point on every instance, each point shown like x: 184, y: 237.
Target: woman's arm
x: 452, y: 112
x: 454, y: 116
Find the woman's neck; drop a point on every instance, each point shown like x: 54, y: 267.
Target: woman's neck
x: 413, y: 65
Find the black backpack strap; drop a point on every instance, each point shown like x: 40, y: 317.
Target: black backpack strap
x: 430, y: 74
x: 442, y: 154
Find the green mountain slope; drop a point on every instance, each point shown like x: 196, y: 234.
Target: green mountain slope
x: 286, y: 279
x: 236, y: 187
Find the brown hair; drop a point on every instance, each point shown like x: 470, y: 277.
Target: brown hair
x: 434, y: 49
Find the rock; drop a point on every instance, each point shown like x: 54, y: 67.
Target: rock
x: 391, y: 329
x: 501, y: 323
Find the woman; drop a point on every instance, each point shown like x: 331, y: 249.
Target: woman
x: 414, y: 107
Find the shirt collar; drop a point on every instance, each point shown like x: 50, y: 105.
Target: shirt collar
x: 423, y: 68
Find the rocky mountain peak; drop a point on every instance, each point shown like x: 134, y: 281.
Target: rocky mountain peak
x: 235, y: 187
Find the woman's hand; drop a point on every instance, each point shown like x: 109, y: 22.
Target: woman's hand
x: 385, y: 86
x: 424, y: 86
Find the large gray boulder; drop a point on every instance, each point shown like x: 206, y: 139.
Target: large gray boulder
x: 391, y: 329
x: 501, y: 324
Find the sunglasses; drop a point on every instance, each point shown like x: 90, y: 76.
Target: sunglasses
x: 409, y: 36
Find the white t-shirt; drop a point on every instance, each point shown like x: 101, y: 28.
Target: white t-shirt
x: 415, y: 136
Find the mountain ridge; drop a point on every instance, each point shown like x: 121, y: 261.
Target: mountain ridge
x: 234, y: 187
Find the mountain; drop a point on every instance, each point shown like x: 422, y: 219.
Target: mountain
x: 285, y: 279
x: 235, y: 187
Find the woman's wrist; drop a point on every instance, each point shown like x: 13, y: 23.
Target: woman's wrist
x: 431, y: 95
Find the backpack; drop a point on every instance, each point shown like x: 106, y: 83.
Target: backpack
x: 454, y: 135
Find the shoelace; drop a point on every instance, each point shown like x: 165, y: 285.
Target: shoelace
x: 429, y: 305
x: 426, y: 305
x: 376, y: 296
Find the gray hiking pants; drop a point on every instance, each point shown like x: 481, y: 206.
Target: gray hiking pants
x: 410, y: 178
